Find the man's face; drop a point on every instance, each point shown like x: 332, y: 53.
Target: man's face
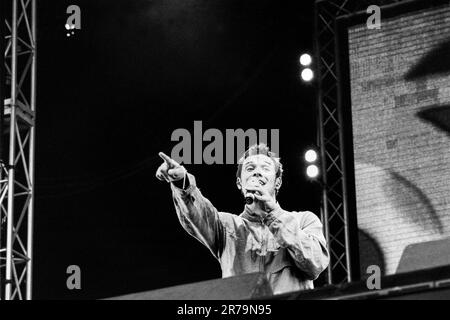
x: 259, y: 170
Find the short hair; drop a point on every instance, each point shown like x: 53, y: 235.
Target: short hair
x: 263, y: 149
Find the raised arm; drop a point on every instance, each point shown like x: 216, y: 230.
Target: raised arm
x: 196, y: 213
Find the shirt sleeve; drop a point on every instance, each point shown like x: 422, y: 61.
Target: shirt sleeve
x: 303, y: 239
x: 199, y: 217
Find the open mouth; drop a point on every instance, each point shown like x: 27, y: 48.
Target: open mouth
x: 257, y: 181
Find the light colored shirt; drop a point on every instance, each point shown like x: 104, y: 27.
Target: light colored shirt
x: 288, y: 246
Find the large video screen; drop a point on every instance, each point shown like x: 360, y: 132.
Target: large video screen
x: 400, y: 95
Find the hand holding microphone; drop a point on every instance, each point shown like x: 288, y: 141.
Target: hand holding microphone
x: 255, y: 194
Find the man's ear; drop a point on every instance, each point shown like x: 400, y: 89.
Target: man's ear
x: 278, y: 182
x: 238, y: 183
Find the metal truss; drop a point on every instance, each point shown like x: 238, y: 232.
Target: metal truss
x: 17, y: 167
x: 334, y: 200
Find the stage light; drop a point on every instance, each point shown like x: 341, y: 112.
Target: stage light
x: 67, y: 26
x: 305, y: 60
x: 312, y: 171
x: 307, y: 75
x: 310, y: 156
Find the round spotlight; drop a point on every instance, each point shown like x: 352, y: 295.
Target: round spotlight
x: 67, y: 26
x: 305, y: 60
x: 310, y: 156
x: 307, y: 75
x: 312, y: 171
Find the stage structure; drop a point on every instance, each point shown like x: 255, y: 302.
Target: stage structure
x: 337, y: 208
x: 18, y: 82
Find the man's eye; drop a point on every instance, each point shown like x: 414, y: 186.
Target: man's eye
x: 249, y: 168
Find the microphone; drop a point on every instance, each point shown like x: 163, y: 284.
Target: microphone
x: 249, y: 197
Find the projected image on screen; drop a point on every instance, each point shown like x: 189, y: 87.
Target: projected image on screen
x: 400, y: 92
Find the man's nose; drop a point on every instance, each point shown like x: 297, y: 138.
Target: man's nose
x: 256, y: 173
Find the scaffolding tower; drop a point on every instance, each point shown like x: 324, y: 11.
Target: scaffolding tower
x: 335, y: 199
x: 18, y: 86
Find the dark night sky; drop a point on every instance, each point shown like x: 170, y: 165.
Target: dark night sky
x: 109, y: 98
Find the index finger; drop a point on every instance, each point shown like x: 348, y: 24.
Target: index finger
x: 166, y: 158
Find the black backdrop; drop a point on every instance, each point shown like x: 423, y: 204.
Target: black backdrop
x: 109, y: 98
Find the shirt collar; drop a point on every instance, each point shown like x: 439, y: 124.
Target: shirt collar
x: 249, y: 215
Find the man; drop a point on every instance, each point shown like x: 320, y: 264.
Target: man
x: 288, y: 246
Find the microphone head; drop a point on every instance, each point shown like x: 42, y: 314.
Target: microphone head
x: 249, y: 198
